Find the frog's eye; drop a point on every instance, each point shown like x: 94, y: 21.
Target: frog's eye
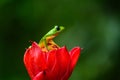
x: 57, y: 28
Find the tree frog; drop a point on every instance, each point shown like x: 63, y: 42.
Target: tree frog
x: 46, y: 43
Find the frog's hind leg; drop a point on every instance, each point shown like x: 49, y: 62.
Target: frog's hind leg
x: 52, y: 45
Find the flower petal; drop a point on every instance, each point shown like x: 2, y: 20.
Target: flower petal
x: 26, y: 62
x: 34, y: 60
x: 39, y: 76
x: 52, y: 67
x: 51, y: 59
x: 63, y: 60
x: 58, y: 61
x: 74, y: 54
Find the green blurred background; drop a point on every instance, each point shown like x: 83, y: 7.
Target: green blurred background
x: 91, y: 24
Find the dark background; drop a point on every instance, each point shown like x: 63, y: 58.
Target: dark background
x: 91, y: 24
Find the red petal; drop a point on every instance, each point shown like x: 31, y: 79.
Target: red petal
x: 26, y: 62
x: 39, y: 76
x: 74, y: 54
x: 63, y: 59
x: 34, y: 60
x: 51, y: 57
x: 58, y: 62
x: 52, y: 67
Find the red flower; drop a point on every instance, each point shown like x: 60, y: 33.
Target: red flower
x: 56, y: 64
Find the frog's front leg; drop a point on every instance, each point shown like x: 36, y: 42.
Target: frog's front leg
x: 46, y: 44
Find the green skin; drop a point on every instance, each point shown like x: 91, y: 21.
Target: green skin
x: 52, y: 32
